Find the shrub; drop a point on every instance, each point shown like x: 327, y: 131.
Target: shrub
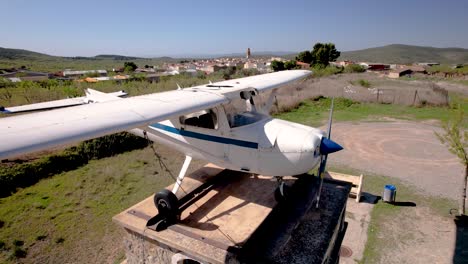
x: 18, y: 252
x: 27, y: 174
x: 364, y: 83
x: 351, y: 68
x: 41, y: 237
x: 18, y: 243
x: 319, y: 71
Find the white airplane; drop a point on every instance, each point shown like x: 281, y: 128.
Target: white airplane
x: 221, y: 123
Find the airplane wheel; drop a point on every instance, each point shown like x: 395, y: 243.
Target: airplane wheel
x: 167, y: 204
x: 282, y: 195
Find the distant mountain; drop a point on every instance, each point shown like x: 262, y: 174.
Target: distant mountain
x: 20, y: 54
x: 398, y: 53
x: 12, y: 54
x: 115, y: 57
x: 15, y: 54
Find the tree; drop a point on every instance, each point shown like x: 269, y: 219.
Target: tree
x: 456, y: 141
x: 323, y: 53
x: 130, y: 66
x: 289, y: 65
x: 304, y: 56
x: 277, y: 65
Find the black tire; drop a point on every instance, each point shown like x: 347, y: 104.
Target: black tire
x: 167, y: 203
x: 281, y: 197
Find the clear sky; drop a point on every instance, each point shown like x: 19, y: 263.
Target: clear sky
x: 157, y: 28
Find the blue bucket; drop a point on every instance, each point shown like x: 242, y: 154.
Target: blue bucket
x: 389, y: 194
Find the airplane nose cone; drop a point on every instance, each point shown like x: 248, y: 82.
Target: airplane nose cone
x: 328, y: 146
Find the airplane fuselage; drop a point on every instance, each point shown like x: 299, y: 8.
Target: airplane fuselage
x: 257, y: 143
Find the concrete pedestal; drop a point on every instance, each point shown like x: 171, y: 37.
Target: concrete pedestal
x: 234, y: 218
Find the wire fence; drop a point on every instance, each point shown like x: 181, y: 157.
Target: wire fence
x: 290, y: 97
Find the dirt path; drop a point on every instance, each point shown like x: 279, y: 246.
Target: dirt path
x: 405, y: 150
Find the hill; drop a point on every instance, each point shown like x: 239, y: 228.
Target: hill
x: 398, y: 53
x: 15, y: 58
x: 16, y: 54
x: 115, y: 57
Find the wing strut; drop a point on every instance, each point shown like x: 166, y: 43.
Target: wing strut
x: 182, y: 173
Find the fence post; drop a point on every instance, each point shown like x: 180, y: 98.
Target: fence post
x: 415, y: 94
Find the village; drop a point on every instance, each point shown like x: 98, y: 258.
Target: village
x: 204, y: 67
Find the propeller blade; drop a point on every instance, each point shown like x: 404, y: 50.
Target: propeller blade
x: 330, y: 118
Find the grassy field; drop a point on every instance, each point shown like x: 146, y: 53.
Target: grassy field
x: 315, y: 112
x: 67, y: 218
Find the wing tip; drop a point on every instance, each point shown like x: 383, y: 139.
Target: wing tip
x: 4, y: 110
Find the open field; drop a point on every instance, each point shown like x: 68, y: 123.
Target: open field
x: 315, y: 112
x: 67, y: 218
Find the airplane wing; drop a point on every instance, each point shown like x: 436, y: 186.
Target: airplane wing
x: 91, y: 96
x: 261, y: 83
x: 38, y: 131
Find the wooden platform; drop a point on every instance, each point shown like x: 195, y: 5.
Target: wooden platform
x: 233, y: 218
x: 356, y: 182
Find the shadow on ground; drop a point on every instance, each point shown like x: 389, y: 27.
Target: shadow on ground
x: 461, y: 243
x: 405, y: 204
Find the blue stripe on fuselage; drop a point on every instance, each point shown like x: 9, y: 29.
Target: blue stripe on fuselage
x: 185, y: 133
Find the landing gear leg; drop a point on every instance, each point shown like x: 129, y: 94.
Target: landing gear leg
x: 282, y: 191
x: 166, y: 201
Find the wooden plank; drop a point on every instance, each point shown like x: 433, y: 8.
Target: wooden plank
x: 357, y: 182
x: 226, y: 215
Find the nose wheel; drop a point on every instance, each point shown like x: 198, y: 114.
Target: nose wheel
x: 282, y: 191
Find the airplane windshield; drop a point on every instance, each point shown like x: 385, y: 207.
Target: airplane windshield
x: 239, y: 113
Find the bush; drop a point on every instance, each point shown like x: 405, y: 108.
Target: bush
x: 27, y: 174
x: 318, y: 71
x: 19, y: 252
x: 18, y: 243
x: 364, y: 83
x: 352, y: 68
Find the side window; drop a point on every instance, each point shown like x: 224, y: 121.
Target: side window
x: 203, y: 119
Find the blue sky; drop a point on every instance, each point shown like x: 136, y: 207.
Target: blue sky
x: 157, y: 28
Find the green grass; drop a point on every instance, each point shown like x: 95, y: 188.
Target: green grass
x: 69, y: 215
x: 378, y: 238
x: 315, y: 112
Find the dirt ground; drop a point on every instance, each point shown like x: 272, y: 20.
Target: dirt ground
x: 406, y: 150
x: 419, y: 237
x: 411, y: 152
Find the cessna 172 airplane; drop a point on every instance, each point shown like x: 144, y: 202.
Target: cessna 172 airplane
x: 221, y: 122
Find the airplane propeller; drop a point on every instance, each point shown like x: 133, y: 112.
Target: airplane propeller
x: 327, y: 146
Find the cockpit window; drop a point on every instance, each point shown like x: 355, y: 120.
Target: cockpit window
x: 239, y: 113
x: 244, y: 119
x: 203, y: 119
